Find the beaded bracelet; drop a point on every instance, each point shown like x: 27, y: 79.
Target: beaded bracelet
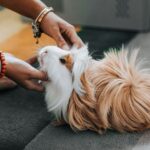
x: 36, y: 24
x: 2, y: 64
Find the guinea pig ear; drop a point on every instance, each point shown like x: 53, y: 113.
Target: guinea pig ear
x: 67, y: 60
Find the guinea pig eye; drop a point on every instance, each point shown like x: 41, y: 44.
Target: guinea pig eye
x: 46, y: 52
x: 62, y: 60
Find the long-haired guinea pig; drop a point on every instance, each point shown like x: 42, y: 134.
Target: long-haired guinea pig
x: 88, y: 94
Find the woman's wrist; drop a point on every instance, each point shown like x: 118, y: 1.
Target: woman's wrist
x: 37, y: 22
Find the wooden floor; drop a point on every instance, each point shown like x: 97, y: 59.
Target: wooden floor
x: 22, y: 44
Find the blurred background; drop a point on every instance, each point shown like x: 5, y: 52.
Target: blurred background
x: 101, y: 23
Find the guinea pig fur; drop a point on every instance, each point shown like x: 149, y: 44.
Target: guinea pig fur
x: 88, y: 94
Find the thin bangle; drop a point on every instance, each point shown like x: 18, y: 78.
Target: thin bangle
x: 2, y: 65
x: 44, y: 14
x: 36, y: 24
x: 36, y: 20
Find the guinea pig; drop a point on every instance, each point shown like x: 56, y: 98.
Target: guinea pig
x: 64, y: 69
x: 88, y: 94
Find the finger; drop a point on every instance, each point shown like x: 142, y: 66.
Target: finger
x: 32, y: 85
x: 32, y: 60
x: 74, y: 38
x: 67, y: 39
x: 69, y: 33
x: 6, y: 83
x: 56, y: 34
x: 39, y: 75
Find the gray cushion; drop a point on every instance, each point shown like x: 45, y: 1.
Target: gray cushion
x: 22, y: 116
x: 63, y: 138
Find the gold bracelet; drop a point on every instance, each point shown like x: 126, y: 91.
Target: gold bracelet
x: 42, y: 14
x: 36, y: 24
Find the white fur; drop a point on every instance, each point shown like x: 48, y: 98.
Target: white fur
x: 60, y: 86
x: 81, y: 62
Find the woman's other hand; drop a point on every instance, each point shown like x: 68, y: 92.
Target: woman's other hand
x: 23, y: 73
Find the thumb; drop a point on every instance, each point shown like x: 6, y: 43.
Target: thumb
x: 39, y: 75
x: 56, y: 34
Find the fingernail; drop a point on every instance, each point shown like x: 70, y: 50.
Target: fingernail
x: 65, y: 47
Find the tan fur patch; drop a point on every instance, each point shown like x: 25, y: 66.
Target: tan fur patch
x: 69, y: 61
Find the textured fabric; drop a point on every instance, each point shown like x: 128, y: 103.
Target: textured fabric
x: 22, y: 116
x: 63, y: 138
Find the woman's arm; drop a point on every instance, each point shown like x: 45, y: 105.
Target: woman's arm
x: 54, y: 26
x: 28, y: 8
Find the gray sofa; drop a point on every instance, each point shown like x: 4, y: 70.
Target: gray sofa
x: 25, y: 122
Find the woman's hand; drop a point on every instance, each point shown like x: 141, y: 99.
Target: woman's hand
x: 63, y: 32
x: 23, y: 73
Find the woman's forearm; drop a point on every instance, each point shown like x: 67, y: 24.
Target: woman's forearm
x: 28, y: 8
